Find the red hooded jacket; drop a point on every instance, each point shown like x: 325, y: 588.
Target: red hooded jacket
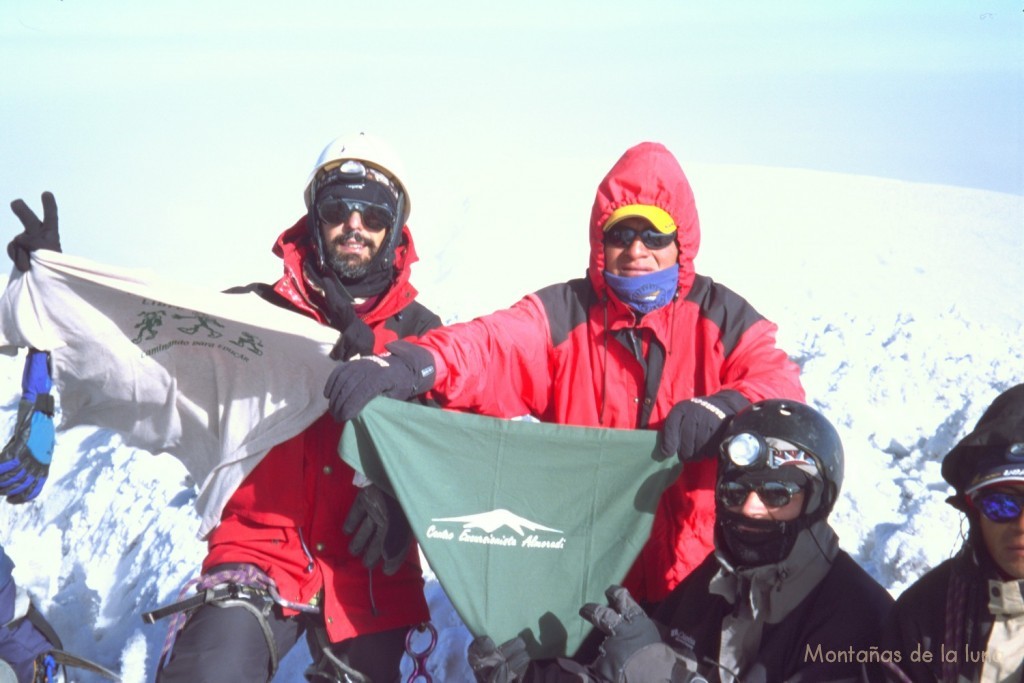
x: 565, y: 355
x: 286, y: 517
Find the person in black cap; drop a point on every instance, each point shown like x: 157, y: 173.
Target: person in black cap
x: 777, y: 600
x: 964, y: 619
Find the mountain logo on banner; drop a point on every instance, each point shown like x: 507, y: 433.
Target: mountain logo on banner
x: 486, y: 528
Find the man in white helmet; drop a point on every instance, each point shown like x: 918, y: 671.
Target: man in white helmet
x: 278, y: 556
x: 278, y: 566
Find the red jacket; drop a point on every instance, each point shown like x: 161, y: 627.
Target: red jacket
x: 563, y: 355
x: 287, y: 515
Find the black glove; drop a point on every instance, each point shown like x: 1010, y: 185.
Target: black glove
x: 356, y: 336
x: 633, y: 650
x: 382, y: 532
x: 37, y: 235
x: 694, y: 428
x: 405, y: 371
x: 493, y: 664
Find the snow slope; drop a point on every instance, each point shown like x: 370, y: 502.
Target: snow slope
x: 902, y: 303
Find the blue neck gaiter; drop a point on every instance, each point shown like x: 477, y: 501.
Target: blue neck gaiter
x: 645, y: 293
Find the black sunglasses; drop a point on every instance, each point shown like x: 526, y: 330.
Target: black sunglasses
x: 336, y: 210
x: 773, y: 494
x: 652, y: 239
x: 999, y: 506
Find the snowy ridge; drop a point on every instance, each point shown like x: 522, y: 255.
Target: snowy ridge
x: 113, y: 533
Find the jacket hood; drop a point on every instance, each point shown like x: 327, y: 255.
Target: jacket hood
x: 646, y: 174
x: 294, y: 248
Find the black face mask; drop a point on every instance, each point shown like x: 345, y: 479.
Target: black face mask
x: 747, y: 542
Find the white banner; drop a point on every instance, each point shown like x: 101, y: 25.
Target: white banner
x: 213, y: 379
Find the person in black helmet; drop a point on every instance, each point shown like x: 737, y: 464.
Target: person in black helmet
x: 777, y: 600
x: 964, y: 619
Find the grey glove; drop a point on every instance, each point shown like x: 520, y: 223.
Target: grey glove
x: 493, y: 664
x: 382, y: 532
x: 37, y: 234
x: 633, y: 650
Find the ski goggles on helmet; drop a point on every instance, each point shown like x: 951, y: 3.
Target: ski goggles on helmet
x: 335, y: 210
x: 624, y: 237
x: 999, y: 506
x: 774, y: 494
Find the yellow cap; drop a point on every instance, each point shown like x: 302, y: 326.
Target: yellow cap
x: 659, y: 218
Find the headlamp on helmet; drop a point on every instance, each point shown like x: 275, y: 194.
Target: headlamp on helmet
x: 783, y: 439
x: 745, y: 449
x: 350, y: 186
x: 749, y: 451
x: 359, y: 173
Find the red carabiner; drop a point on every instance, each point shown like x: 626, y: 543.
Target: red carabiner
x: 419, y: 659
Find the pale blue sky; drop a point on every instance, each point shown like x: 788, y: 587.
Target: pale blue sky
x: 171, y: 132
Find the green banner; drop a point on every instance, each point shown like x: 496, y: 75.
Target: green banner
x: 522, y: 522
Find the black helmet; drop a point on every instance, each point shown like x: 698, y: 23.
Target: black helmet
x: 744, y: 449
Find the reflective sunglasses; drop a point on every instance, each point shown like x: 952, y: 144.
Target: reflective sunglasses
x: 336, y: 210
x: 652, y: 239
x: 773, y: 494
x: 999, y: 506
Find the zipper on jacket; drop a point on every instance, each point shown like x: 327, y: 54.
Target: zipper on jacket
x: 651, y: 366
x: 305, y: 550
x: 604, y: 371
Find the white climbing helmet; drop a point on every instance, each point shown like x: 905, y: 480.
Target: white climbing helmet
x: 371, y: 151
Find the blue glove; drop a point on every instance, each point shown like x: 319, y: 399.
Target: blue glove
x: 25, y: 460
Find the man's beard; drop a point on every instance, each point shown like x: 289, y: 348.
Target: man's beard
x: 350, y: 266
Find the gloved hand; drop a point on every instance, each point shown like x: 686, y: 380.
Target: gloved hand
x: 25, y: 460
x: 633, y: 650
x: 405, y: 371
x: 694, y: 428
x: 37, y: 235
x: 356, y: 336
x: 493, y: 664
x: 382, y: 531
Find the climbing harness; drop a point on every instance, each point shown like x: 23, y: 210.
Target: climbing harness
x: 247, y: 587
